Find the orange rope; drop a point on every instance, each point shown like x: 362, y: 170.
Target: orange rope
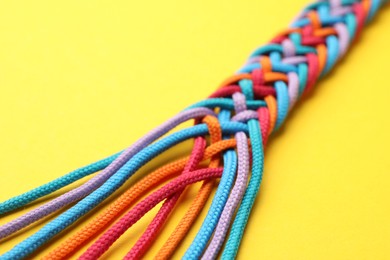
x: 198, y: 203
x: 273, y: 112
x: 322, y: 57
x: 133, y: 194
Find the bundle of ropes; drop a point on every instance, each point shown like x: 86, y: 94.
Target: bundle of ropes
x: 230, y: 132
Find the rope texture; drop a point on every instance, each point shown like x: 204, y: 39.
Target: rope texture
x: 231, y: 130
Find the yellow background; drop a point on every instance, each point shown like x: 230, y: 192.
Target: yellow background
x: 80, y: 80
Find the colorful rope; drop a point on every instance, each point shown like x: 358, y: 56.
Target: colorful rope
x: 250, y: 106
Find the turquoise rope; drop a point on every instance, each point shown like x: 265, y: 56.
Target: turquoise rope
x: 55, y: 226
x: 244, y: 210
x: 332, y: 44
x: 227, y: 104
x: 45, y: 189
x: 283, y: 103
x: 199, y: 244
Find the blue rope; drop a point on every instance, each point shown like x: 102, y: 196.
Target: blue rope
x: 244, y: 210
x: 199, y: 244
x: 55, y: 226
x: 45, y: 189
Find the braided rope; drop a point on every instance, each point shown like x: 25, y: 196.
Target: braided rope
x: 215, y: 137
x: 128, y: 198
x: 259, y: 96
x: 97, y: 181
x: 108, y: 238
x: 148, y: 237
x: 234, y: 199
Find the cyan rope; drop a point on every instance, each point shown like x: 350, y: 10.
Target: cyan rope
x: 55, y: 226
x: 255, y: 101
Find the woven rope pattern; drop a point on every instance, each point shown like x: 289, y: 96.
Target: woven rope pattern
x: 231, y: 130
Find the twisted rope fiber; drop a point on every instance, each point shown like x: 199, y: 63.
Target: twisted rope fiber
x: 317, y: 65
x: 133, y: 253
x: 196, y: 206
x: 125, y: 200
x: 236, y: 193
x: 183, y: 227
x: 151, y: 232
x: 216, y: 135
x: 98, y: 180
x: 274, y: 78
x: 55, y: 226
x: 220, y: 198
x: 46, y: 189
x: 108, y: 238
x: 201, y: 198
x: 323, y: 66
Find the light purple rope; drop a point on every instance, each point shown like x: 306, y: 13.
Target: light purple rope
x: 85, y: 189
x: 234, y: 198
